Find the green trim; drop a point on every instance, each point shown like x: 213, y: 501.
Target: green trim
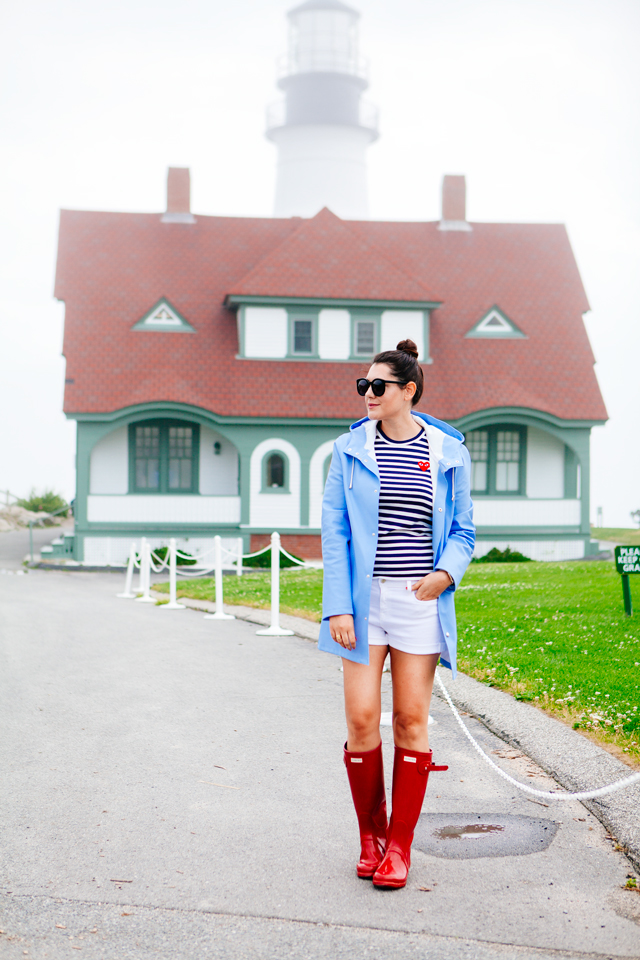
x: 513, y: 333
x: 264, y: 488
x: 164, y: 424
x: 571, y: 465
x: 200, y: 415
x: 233, y: 300
x: 528, y: 415
x: 185, y: 326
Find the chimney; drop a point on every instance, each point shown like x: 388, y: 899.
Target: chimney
x: 454, y: 204
x: 178, y: 196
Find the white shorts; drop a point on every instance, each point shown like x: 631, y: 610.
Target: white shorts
x: 398, y: 619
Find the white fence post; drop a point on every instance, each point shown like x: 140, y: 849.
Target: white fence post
x: 173, y: 576
x: 275, y: 630
x: 145, y: 572
x: 239, y: 556
x: 219, y: 614
x: 128, y: 583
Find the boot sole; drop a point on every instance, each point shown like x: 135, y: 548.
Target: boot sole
x: 389, y: 886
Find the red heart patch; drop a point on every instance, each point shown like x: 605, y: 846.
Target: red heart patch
x: 424, y: 464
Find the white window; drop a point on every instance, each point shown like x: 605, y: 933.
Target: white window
x: 508, y: 461
x: 334, y: 334
x: 400, y: 325
x: 265, y: 332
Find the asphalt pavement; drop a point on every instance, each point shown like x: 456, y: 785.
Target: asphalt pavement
x: 173, y: 787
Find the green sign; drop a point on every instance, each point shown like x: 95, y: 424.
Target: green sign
x: 627, y: 562
x: 627, y: 559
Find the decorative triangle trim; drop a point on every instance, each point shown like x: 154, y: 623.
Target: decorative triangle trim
x: 163, y: 317
x: 495, y: 325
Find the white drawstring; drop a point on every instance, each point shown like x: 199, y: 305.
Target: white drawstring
x: 353, y: 463
x: 453, y: 484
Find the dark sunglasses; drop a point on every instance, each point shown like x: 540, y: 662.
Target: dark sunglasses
x: 378, y: 386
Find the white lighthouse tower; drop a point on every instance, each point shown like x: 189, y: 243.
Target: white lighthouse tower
x: 322, y: 128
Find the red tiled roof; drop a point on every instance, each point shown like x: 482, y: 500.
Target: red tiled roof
x: 112, y: 268
x: 325, y: 258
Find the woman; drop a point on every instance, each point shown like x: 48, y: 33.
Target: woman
x: 397, y: 536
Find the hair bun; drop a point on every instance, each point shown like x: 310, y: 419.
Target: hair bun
x: 408, y: 346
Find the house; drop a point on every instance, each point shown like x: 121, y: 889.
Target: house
x: 211, y: 363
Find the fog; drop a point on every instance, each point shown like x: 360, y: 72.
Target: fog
x: 536, y: 101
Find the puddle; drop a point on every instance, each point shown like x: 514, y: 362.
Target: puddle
x: 469, y: 830
x: 468, y: 836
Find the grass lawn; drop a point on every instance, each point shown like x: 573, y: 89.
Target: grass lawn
x: 630, y: 538
x: 300, y: 591
x: 554, y: 634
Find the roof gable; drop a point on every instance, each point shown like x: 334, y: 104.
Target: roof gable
x: 324, y: 258
x: 495, y: 325
x: 165, y: 318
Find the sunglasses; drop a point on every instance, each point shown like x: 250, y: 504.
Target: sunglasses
x: 378, y: 386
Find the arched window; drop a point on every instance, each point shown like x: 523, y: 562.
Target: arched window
x: 275, y: 479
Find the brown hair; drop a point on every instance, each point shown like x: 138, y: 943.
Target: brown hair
x: 404, y: 363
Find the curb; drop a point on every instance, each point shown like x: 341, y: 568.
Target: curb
x: 574, y: 761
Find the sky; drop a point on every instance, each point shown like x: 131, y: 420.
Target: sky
x: 535, y: 101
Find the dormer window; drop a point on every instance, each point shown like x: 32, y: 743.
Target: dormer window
x: 164, y: 317
x: 328, y: 330
x: 495, y: 325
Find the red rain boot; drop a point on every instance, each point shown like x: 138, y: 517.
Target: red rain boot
x: 366, y: 779
x: 410, y: 774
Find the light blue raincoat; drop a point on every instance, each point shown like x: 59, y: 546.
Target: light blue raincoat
x: 350, y: 528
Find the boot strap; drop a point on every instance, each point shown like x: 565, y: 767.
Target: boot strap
x: 424, y: 767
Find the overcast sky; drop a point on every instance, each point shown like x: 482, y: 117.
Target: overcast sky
x: 536, y: 101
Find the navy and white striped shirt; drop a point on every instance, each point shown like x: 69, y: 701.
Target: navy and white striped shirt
x: 406, y: 507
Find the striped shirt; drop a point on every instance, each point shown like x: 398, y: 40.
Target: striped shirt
x: 406, y: 507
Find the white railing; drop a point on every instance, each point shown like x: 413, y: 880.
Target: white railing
x: 368, y: 115
x: 144, y: 562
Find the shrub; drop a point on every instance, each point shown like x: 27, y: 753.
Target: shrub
x: 47, y: 502
x: 264, y: 560
x: 502, y: 556
x: 161, y: 552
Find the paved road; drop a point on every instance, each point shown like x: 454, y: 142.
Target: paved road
x: 14, y: 544
x: 173, y: 787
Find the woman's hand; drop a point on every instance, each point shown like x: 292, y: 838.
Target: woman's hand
x: 342, y: 631
x: 431, y: 586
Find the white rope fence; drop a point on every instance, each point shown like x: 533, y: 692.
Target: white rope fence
x: 144, y: 562
x: 547, y: 795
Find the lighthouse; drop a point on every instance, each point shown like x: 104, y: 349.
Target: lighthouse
x: 322, y: 128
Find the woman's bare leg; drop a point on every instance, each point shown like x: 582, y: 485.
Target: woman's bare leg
x: 362, y: 700
x: 412, y: 676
